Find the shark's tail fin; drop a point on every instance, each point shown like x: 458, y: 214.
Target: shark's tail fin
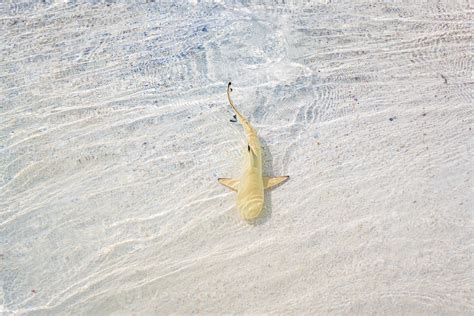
x: 242, y: 119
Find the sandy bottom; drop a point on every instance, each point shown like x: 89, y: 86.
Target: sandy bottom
x: 114, y: 127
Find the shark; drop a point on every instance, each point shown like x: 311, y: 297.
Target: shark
x: 252, y: 183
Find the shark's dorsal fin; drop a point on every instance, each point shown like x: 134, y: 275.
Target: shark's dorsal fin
x: 270, y: 182
x: 232, y: 184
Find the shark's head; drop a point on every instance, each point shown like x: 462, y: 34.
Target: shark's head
x: 252, y: 210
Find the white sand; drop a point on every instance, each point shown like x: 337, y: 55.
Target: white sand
x: 114, y: 128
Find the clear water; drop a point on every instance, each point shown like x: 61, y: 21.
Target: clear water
x: 114, y: 127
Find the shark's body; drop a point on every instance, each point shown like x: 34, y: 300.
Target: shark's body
x: 250, y: 187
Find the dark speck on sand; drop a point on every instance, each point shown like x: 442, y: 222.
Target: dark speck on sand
x: 445, y: 79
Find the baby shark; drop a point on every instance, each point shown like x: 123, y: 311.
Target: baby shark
x: 252, y: 183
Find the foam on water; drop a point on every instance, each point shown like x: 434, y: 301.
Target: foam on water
x: 114, y: 127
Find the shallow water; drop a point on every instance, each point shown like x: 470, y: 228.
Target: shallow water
x: 115, y: 126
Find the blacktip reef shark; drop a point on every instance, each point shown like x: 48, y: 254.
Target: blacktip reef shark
x: 252, y: 183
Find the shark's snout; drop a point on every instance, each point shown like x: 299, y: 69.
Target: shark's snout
x: 251, y: 211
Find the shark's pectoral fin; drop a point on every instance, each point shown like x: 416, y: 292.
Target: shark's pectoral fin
x: 232, y: 184
x: 270, y: 182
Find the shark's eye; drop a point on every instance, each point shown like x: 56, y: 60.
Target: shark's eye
x: 248, y: 147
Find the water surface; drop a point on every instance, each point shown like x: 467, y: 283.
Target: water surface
x: 114, y: 127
